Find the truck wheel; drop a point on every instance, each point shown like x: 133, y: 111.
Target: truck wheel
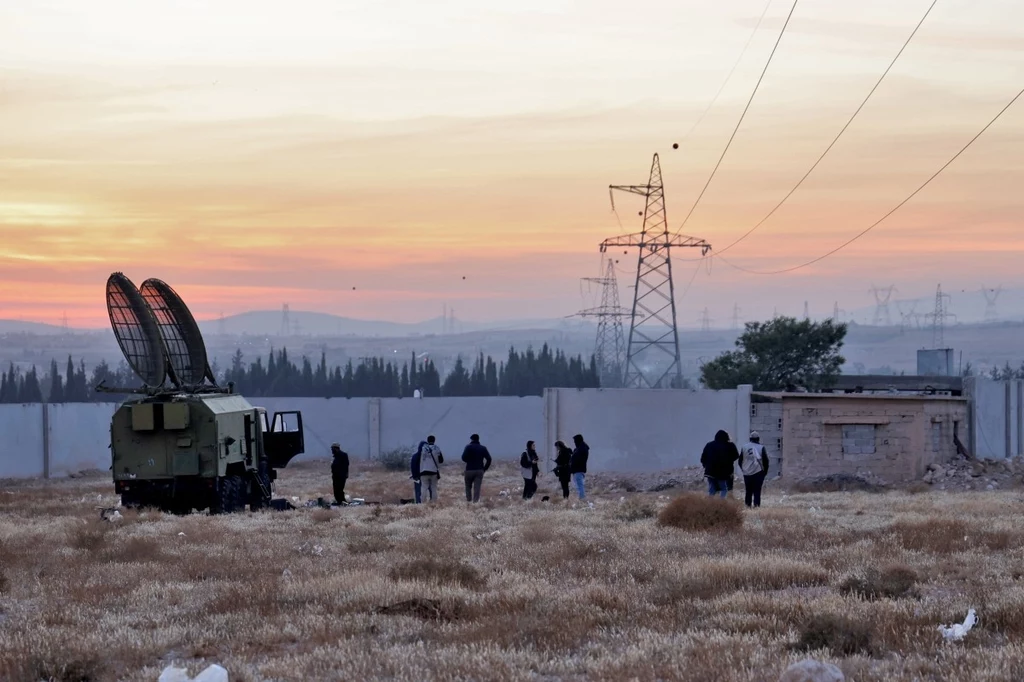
x: 230, y: 496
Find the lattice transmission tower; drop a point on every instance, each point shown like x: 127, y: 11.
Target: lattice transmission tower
x: 991, y: 296
x: 882, y: 297
x: 286, y: 324
x: 653, y: 334
x: 610, y: 344
x: 705, y: 320
x: 939, y: 317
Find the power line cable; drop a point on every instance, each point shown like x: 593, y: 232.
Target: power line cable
x: 893, y: 210
x: 834, y: 140
x: 742, y: 116
x: 729, y: 77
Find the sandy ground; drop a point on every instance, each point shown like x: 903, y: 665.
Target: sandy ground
x: 507, y: 590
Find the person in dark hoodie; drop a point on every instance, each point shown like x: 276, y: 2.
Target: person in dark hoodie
x: 578, y: 464
x: 530, y: 465
x: 339, y: 472
x: 717, y: 459
x: 478, y: 460
x: 563, y: 459
x: 414, y: 469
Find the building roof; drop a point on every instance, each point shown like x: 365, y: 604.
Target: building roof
x: 854, y: 396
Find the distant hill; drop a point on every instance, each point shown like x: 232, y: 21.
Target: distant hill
x: 306, y: 323
x: 22, y: 327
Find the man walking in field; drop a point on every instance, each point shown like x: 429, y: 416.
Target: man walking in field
x: 478, y: 460
x: 430, y: 471
x: 717, y: 459
x: 754, y: 465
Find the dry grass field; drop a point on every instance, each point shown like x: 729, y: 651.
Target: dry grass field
x: 506, y: 590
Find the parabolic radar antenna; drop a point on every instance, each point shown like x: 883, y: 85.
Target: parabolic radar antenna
x: 182, y: 340
x: 136, y: 330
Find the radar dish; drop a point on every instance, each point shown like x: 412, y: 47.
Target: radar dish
x: 182, y: 340
x: 136, y: 330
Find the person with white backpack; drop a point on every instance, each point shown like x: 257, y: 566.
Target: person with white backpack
x: 430, y: 470
x: 754, y: 465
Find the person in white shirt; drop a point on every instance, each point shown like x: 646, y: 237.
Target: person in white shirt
x: 430, y: 470
x: 754, y: 465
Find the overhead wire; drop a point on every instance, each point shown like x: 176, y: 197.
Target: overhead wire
x: 728, y: 77
x: 742, y: 116
x: 835, y: 139
x: 891, y: 211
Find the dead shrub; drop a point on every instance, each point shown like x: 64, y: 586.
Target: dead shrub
x: 635, y: 510
x: 427, y: 609
x: 538, y: 533
x: 91, y: 536
x: 440, y: 572
x: 56, y: 668
x: 892, y: 582
x: 370, y: 544
x: 934, y: 535
x: 5, y: 583
x: 693, y: 511
x: 135, y: 551
x: 918, y: 487
x: 835, y: 483
x: 843, y: 636
x: 322, y: 515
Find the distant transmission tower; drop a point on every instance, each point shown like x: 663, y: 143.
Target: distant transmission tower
x: 705, y: 320
x: 286, y: 323
x: 65, y: 329
x: 907, y: 317
x: 652, y: 330
x: 837, y: 312
x: 610, y: 345
x: 991, y: 296
x: 736, y: 316
x: 807, y: 311
x: 939, y: 317
x: 882, y: 296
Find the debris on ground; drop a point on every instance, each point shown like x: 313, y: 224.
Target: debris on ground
x: 310, y: 549
x: 834, y: 483
x: 109, y: 513
x: 976, y: 474
x: 214, y: 673
x: 427, y: 609
x: 957, y: 631
x: 810, y: 670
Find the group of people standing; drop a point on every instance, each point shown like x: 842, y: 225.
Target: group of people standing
x: 719, y: 459
x: 570, y: 465
x: 425, y: 470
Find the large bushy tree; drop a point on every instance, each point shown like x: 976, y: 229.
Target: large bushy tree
x: 779, y: 353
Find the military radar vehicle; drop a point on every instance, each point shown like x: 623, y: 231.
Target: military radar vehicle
x: 181, y: 442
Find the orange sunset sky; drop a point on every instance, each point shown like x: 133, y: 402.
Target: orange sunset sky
x: 255, y: 153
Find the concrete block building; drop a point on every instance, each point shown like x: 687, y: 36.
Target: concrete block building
x: 892, y: 437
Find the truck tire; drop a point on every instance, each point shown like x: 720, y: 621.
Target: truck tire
x: 230, y: 495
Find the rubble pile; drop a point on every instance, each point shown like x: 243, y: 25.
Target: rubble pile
x: 976, y: 474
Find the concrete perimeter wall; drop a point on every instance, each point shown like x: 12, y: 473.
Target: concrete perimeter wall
x: 997, y: 417
x: 634, y: 430
x: 628, y: 430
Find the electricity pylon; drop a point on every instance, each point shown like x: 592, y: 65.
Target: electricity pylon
x: 991, y: 296
x: 610, y: 345
x: 882, y: 297
x: 939, y: 316
x: 653, y: 334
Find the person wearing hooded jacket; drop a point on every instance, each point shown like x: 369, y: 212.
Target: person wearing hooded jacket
x: 754, y: 465
x: 717, y: 459
x: 529, y: 463
x: 339, y: 472
x: 563, y: 458
x: 578, y: 464
x: 478, y: 460
x: 430, y: 470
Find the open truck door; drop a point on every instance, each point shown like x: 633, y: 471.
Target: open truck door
x: 285, y: 439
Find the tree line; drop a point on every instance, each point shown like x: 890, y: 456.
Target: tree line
x: 520, y: 374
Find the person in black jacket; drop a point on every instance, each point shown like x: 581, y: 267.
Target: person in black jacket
x: 339, y: 472
x: 563, y: 460
x: 478, y: 460
x: 578, y: 464
x: 718, y: 458
x: 530, y: 465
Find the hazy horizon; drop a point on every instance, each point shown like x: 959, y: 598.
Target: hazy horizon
x: 362, y: 160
